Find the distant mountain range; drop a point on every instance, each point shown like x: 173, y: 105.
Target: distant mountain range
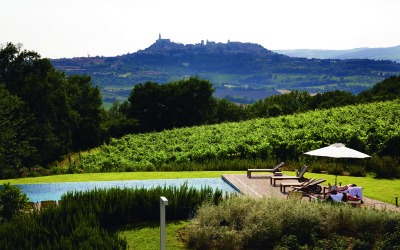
x: 390, y: 53
x: 242, y: 72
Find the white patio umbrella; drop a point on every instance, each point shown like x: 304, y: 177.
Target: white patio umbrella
x: 337, y: 150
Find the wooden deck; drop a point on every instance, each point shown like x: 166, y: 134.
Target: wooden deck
x: 259, y: 186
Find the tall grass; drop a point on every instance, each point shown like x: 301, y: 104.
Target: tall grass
x: 262, y: 223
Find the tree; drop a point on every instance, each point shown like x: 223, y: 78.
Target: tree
x: 388, y: 89
x: 274, y: 110
x: 58, y: 111
x: 186, y: 102
x: 113, y: 111
x: 43, y: 90
x: 88, y: 104
x: 12, y: 202
x: 116, y: 124
x: 229, y: 111
x: 15, y: 142
x: 331, y: 99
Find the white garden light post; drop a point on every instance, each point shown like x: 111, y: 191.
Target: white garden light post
x: 163, y: 203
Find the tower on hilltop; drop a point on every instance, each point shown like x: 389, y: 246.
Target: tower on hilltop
x: 160, y: 40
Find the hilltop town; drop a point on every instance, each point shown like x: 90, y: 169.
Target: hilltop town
x: 165, y: 46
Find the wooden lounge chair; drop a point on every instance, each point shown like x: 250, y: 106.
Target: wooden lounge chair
x: 355, y: 203
x: 312, y: 186
x: 295, y: 195
x: 47, y: 203
x: 273, y: 170
x: 295, y: 184
x: 32, y: 205
x: 299, y: 176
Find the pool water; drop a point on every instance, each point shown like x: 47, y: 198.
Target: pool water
x: 54, y: 191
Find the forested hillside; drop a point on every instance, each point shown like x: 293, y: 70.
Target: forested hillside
x: 236, y: 69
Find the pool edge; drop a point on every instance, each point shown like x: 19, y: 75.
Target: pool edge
x: 230, y: 184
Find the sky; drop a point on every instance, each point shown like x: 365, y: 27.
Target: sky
x: 76, y: 28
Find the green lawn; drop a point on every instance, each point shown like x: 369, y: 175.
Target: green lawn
x: 147, y: 235
x: 379, y: 189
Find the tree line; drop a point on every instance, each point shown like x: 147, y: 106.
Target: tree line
x: 189, y: 102
x: 44, y: 113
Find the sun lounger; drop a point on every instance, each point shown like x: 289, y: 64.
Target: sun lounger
x: 299, y: 176
x: 32, y: 205
x: 273, y: 170
x: 295, y: 184
x: 47, y: 204
x: 312, y: 186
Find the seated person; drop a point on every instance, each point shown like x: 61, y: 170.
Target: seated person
x: 332, y: 195
x: 355, y: 192
x: 343, y: 193
x: 340, y: 188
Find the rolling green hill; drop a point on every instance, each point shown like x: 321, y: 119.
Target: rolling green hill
x: 371, y: 128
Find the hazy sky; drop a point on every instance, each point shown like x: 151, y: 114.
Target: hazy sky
x: 72, y: 28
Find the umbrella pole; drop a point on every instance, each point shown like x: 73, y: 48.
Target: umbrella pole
x: 336, y: 173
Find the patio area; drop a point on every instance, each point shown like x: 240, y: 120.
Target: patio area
x: 259, y: 186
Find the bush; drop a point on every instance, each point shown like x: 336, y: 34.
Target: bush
x: 357, y: 171
x: 289, y: 242
x: 317, y: 168
x: 389, y: 241
x: 385, y: 167
x: 12, y: 202
x: 262, y: 223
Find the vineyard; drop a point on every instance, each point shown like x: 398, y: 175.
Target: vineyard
x: 370, y: 128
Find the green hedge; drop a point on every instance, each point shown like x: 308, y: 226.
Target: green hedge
x: 248, y: 223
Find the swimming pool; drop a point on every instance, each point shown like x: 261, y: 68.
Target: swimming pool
x: 54, y: 191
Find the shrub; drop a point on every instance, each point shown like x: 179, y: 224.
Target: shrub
x: 150, y: 167
x: 262, y: 223
x: 11, y: 172
x: 317, y: 168
x: 357, y: 171
x: 332, y: 169
x: 12, y: 201
x: 385, y: 167
x: 130, y: 169
x: 389, y: 241
x: 289, y: 242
